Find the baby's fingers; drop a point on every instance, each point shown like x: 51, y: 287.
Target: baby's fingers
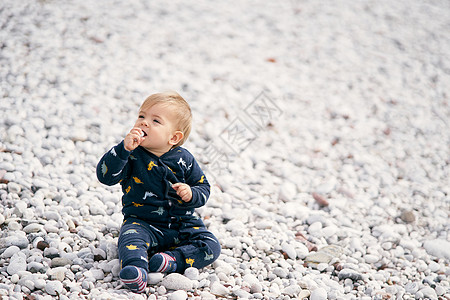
x: 182, y: 192
x: 177, y: 185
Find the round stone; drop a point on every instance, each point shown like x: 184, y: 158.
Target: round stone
x: 318, y: 294
x: 408, y: 216
x: 192, y: 273
x: 175, y: 281
x: 178, y: 295
x: 54, y: 287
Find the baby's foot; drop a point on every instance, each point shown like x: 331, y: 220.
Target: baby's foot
x: 134, y: 278
x: 163, y: 263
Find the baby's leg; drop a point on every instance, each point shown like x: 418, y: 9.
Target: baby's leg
x: 134, y: 241
x: 200, y: 249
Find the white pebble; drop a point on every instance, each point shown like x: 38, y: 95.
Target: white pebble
x: 15, y: 278
x: 429, y: 292
x: 262, y: 245
x: 54, y: 287
x: 219, y: 289
x: 175, y: 281
x: 10, y: 251
x: 434, y: 267
x: 17, y: 263
x: 192, y: 273
x: 33, y: 227
x: 289, y: 250
x: 292, y: 290
x: 318, y: 294
x: 154, y: 278
x: 371, y: 259
x: 14, y: 226
x: 280, y: 272
x: 14, y: 187
x: 250, y: 279
x: 178, y: 295
x: 438, y: 247
x: 412, y: 287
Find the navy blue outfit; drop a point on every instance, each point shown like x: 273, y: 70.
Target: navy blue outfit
x: 155, y: 217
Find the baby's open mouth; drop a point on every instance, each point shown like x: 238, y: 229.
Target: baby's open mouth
x: 143, y: 134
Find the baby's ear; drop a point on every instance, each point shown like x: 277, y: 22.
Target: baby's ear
x: 176, y: 138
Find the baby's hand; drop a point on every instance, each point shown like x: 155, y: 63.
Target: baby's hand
x: 183, y: 190
x: 133, y: 139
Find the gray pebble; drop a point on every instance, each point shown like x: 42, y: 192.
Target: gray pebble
x: 51, y: 252
x: 408, y: 216
x: 60, y: 262
x: 350, y: 274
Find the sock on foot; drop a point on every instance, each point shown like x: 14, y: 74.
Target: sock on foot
x: 134, y: 278
x: 163, y: 263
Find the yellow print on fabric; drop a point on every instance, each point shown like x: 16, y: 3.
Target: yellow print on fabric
x: 132, y: 247
x: 151, y: 165
x: 171, y: 170
x: 137, y: 180
x: 202, y: 179
x: 128, y: 189
x: 190, y: 261
x: 137, y: 204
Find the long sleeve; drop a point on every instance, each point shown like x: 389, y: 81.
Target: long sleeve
x: 110, y: 169
x: 200, y: 187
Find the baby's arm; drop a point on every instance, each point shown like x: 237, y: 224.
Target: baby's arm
x: 196, y: 189
x: 111, y: 165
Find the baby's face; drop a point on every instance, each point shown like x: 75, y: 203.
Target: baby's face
x: 158, y: 126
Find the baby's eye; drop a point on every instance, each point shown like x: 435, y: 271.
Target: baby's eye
x: 141, y: 117
x: 156, y: 121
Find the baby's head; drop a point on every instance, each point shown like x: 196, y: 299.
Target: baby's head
x: 182, y: 116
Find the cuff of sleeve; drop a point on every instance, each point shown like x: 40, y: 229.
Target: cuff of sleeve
x: 121, y: 152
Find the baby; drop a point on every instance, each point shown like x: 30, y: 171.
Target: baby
x: 162, y: 184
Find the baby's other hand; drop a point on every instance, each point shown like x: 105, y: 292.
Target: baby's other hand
x: 183, y: 190
x: 133, y: 139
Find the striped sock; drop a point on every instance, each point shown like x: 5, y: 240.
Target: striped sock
x: 163, y: 263
x: 134, y: 278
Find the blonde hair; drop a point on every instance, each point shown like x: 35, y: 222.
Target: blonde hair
x: 182, y: 111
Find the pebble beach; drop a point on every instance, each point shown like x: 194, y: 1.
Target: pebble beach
x: 323, y: 127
